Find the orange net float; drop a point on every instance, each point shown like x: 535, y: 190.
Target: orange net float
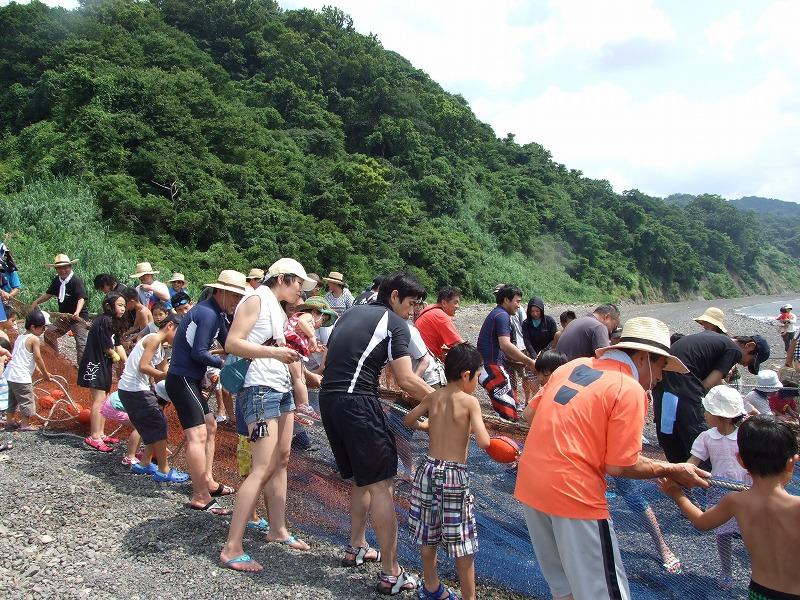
x: 57, y: 394
x: 72, y: 410
x: 503, y: 449
x: 85, y: 416
x: 45, y: 402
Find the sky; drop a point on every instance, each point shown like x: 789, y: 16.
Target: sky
x: 670, y: 96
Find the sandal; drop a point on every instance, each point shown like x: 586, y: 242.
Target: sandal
x: 261, y: 525
x: 212, y: 507
x: 424, y: 594
x: 244, y: 564
x: 293, y: 543
x: 107, y: 439
x: 359, y: 556
x: 97, y: 444
x: 391, y: 585
x: 222, y: 490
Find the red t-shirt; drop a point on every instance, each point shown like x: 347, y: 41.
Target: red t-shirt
x: 590, y: 414
x: 437, y: 329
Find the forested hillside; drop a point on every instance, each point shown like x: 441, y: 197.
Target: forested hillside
x: 222, y: 133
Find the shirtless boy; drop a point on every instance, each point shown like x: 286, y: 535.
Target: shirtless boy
x: 768, y: 516
x: 452, y: 414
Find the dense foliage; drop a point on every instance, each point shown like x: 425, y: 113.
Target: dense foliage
x: 218, y: 133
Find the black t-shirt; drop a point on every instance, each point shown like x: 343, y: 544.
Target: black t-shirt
x: 363, y: 339
x: 365, y: 297
x: 701, y: 353
x: 74, y: 292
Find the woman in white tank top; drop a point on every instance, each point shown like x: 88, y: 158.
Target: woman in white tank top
x: 266, y: 403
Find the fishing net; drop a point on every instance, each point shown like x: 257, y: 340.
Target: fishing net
x: 318, y: 504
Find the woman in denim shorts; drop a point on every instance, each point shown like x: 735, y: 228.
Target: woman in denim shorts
x: 266, y: 406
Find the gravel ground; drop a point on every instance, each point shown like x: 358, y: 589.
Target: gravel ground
x: 76, y: 524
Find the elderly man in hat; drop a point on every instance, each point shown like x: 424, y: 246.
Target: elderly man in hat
x: 585, y: 423
x: 70, y: 291
x: 150, y: 290
x: 677, y: 400
x: 191, y: 356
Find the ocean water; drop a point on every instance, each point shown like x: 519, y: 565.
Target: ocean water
x: 767, y: 311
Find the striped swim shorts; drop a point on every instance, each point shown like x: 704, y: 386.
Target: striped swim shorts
x: 442, y: 508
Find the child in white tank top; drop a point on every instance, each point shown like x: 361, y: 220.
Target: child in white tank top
x: 25, y: 357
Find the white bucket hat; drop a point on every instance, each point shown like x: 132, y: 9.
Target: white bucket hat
x: 787, y: 307
x: 650, y: 335
x: 714, y: 316
x: 767, y: 381
x: 724, y: 401
x: 230, y: 281
x: 289, y: 266
x: 144, y: 268
x: 177, y: 277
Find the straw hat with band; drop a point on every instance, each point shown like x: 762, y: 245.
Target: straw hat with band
x: 177, y: 277
x: 650, y: 335
x: 255, y: 274
x: 144, y: 268
x: 319, y: 303
x: 714, y: 316
x: 724, y: 401
x: 335, y: 277
x: 768, y: 381
x: 230, y: 281
x: 62, y: 260
x: 289, y: 266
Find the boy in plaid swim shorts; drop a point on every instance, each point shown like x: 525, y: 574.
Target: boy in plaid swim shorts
x: 441, y: 504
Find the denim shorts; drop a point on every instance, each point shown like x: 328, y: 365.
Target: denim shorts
x: 259, y: 403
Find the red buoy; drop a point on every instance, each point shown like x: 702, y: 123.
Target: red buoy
x: 85, y: 416
x: 503, y: 449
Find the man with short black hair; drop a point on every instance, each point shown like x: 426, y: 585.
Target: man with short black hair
x: 435, y: 322
x: 369, y: 295
x: 363, y: 340
x: 495, y: 345
x: 587, y: 334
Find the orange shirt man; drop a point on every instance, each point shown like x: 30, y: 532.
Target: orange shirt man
x: 435, y: 323
x: 586, y: 422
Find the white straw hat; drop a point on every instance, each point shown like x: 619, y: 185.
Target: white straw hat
x: 289, y: 266
x: 767, y: 381
x: 724, y: 401
x: 650, y: 335
x: 230, y: 281
x: 144, y: 268
x: 177, y: 277
x: 714, y: 316
x: 61, y: 260
x: 255, y: 274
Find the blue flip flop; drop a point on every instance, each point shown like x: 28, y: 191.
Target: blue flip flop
x: 243, y: 558
x: 289, y: 541
x: 261, y: 525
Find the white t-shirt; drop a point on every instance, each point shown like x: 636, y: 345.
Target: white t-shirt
x: 269, y: 372
x: 516, y: 322
x: 418, y: 350
x: 145, y: 296
x: 133, y: 380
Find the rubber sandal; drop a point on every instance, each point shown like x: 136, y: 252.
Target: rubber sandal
x: 171, y: 476
x: 424, y: 594
x: 391, y: 585
x: 359, y: 556
x: 98, y: 445
x: 242, y: 559
x: 291, y: 541
x: 212, y: 507
x: 673, y: 567
x: 261, y: 525
x: 139, y: 469
x: 107, y: 439
x: 128, y: 461
x: 222, y: 490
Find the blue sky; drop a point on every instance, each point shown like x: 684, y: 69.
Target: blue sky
x: 663, y: 96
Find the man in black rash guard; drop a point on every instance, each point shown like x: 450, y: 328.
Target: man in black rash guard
x: 363, y: 340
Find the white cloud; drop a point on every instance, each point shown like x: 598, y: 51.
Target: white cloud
x: 777, y: 30
x: 724, y: 35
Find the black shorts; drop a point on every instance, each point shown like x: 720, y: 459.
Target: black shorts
x: 360, y: 437
x: 145, y: 415
x: 189, y: 402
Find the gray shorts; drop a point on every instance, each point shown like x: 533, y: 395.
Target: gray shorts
x: 578, y: 556
x: 20, y: 398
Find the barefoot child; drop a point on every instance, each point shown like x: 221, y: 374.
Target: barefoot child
x: 103, y: 349
x: 25, y: 357
x: 147, y: 362
x: 452, y: 414
x: 768, y: 516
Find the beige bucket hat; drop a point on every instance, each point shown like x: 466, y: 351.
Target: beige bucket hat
x: 255, y: 274
x: 650, y: 335
x: 334, y: 277
x: 230, y: 281
x: 176, y: 277
x: 713, y: 315
x: 61, y: 260
x: 144, y: 268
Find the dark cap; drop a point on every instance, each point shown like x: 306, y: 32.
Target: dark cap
x: 762, y: 354
x: 36, y: 319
